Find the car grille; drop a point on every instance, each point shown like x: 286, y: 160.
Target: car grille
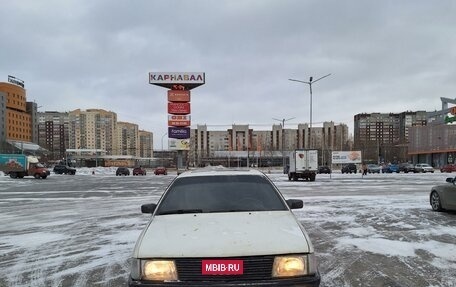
x: 255, y: 268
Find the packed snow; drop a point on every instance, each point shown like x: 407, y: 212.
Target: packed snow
x: 376, y: 230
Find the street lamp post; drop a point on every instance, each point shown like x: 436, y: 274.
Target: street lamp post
x: 162, y: 139
x: 162, y: 153
x: 283, y: 138
x: 310, y: 82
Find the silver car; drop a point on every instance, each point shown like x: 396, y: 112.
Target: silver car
x: 443, y: 197
x: 424, y: 167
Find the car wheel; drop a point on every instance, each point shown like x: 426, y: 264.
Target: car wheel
x: 435, y: 201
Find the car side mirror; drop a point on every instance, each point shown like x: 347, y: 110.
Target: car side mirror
x: 450, y: 180
x: 295, y: 203
x: 148, y: 208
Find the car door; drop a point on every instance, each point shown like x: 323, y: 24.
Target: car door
x: 450, y: 195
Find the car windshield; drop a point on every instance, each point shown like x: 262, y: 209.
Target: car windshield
x: 220, y: 194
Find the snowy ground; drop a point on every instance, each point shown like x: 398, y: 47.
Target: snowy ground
x: 80, y: 230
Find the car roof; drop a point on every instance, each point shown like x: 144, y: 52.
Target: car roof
x: 220, y: 171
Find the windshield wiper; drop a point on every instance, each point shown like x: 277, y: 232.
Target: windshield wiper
x: 181, y: 211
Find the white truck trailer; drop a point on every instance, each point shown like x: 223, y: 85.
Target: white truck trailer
x: 303, y: 164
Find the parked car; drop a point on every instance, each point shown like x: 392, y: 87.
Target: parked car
x: 122, y: 171
x: 139, y: 171
x: 349, y: 168
x: 423, y: 167
x: 448, y: 168
x: 160, y: 170
x: 64, y: 169
x: 222, y: 227
x: 443, y: 197
x: 324, y: 169
x: 390, y: 168
x: 406, y: 167
x: 373, y: 168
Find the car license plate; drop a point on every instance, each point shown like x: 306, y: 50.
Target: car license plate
x: 222, y: 267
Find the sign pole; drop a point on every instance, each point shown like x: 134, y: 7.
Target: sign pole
x: 179, y: 85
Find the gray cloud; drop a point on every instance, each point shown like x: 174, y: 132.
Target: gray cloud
x: 384, y: 56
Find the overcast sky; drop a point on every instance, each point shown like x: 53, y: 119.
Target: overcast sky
x: 383, y: 56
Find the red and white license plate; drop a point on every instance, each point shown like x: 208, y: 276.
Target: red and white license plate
x: 222, y: 267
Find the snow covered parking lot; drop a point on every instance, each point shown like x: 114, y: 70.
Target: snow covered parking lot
x: 80, y: 230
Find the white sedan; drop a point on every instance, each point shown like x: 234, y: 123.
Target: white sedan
x: 223, y: 228
x: 424, y: 167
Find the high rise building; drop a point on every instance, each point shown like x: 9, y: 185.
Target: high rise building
x: 146, y: 144
x: 53, y: 133
x: 93, y: 129
x: 383, y: 137
x: 127, y: 139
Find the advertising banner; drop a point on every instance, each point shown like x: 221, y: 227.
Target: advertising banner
x: 178, y: 133
x: 179, y: 120
x: 179, y: 144
x: 346, y: 157
x: 179, y: 108
x: 178, y: 96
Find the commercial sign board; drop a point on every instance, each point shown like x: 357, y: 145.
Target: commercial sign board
x: 16, y: 81
x: 179, y: 132
x: 178, y: 96
x: 173, y: 80
x: 179, y: 108
x: 451, y: 117
x: 179, y: 144
x: 346, y: 157
x: 178, y: 120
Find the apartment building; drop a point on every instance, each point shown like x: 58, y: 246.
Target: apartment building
x: 241, y: 141
x: 146, y: 144
x: 53, y: 133
x: 384, y: 137
x: 93, y: 129
x: 127, y: 139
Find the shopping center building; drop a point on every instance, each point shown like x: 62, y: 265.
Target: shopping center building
x: 435, y: 143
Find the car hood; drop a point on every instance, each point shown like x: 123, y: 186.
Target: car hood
x: 222, y: 235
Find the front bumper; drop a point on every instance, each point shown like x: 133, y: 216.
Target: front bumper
x: 307, y: 281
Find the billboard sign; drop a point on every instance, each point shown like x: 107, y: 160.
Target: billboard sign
x: 179, y: 108
x: 179, y: 144
x: 346, y: 157
x: 178, y: 96
x: 179, y: 133
x: 172, y: 80
x: 178, y: 120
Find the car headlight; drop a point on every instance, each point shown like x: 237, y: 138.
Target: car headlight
x: 155, y: 270
x: 294, y: 265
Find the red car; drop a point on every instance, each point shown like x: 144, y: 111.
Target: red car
x: 139, y: 171
x: 160, y: 170
x: 448, y: 168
